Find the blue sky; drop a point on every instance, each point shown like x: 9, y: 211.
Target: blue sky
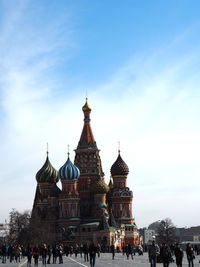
x: 139, y: 61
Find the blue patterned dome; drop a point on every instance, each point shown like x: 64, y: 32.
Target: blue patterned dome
x: 69, y: 171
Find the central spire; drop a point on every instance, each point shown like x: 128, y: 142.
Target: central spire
x: 87, y: 138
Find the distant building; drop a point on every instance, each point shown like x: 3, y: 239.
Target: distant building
x: 86, y: 208
x: 148, y: 235
x: 4, y: 231
x: 191, y: 234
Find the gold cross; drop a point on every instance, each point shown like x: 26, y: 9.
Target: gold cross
x: 68, y: 150
x: 47, y: 149
x: 119, y: 147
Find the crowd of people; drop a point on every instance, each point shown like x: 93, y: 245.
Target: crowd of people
x: 54, y: 254
x: 165, y: 254
x: 48, y: 254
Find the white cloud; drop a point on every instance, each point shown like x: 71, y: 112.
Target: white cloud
x: 152, y: 108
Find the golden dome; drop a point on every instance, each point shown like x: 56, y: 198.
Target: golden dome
x: 86, y: 107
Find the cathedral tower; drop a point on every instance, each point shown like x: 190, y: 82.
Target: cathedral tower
x: 69, y: 202
x: 87, y: 159
x: 120, y: 196
x: 46, y: 177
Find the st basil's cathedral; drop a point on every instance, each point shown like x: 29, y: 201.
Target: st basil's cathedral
x: 86, y: 209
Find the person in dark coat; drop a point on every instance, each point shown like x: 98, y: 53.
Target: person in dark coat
x: 92, y: 252
x: 36, y: 254
x: 11, y: 253
x: 76, y: 250
x: 123, y: 249
x: 112, y: 248
x: 55, y: 254
x: 153, y: 252
x: 49, y: 251
x: 29, y: 253
x: 60, y: 254
x: 129, y: 251
x: 190, y: 255
x: 166, y: 255
x: 3, y: 253
x: 178, y: 252
x: 44, y: 252
x: 85, y: 251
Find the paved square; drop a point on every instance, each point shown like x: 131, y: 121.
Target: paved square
x: 104, y: 260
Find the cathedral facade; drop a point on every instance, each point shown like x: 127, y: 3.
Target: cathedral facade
x: 86, y: 209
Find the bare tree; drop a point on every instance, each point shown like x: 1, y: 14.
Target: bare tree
x: 166, y: 232
x: 42, y: 231
x: 19, y: 227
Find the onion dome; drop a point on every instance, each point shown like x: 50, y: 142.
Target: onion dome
x: 69, y: 171
x: 119, y: 167
x: 86, y: 107
x: 47, y: 174
x: 99, y: 187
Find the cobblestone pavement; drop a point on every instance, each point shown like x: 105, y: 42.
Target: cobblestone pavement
x: 104, y: 261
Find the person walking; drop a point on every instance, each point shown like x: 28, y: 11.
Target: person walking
x: 190, y: 255
x: 112, y: 248
x: 153, y: 252
x: 92, y: 252
x: 98, y: 250
x: 55, y: 254
x: 11, y: 252
x: 129, y: 251
x: 81, y: 249
x: 85, y: 251
x: 49, y: 251
x: 76, y: 250
x: 29, y: 253
x: 165, y: 254
x: 36, y: 254
x: 178, y: 252
x: 123, y: 249
x: 60, y: 254
x: 44, y: 254
x: 4, y: 253
x: 17, y: 253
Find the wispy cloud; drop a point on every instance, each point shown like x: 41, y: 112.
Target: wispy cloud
x: 151, y: 104
x: 156, y: 110
x: 29, y: 53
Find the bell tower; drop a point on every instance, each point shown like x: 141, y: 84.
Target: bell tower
x: 87, y: 159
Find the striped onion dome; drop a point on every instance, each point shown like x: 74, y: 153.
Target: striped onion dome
x: 119, y: 167
x: 47, y: 174
x: 69, y: 171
